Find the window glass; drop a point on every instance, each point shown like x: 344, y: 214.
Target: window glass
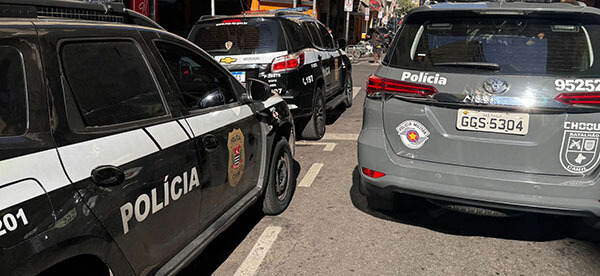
x: 295, y: 35
x: 111, y: 82
x: 246, y: 37
x: 314, y: 34
x: 326, y: 37
x: 523, y: 46
x: 13, y: 114
x: 201, y: 83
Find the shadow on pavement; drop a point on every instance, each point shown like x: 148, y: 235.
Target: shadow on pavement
x: 219, y: 250
x: 334, y: 114
x: 528, y: 227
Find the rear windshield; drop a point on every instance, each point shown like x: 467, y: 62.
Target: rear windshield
x: 516, y: 46
x: 240, y: 37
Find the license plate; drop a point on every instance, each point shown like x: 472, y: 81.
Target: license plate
x: 497, y: 122
x: 240, y: 76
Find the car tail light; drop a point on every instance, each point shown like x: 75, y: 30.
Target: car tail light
x: 376, y: 85
x: 372, y: 173
x: 231, y: 20
x: 589, y: 98
x: 287, y: 63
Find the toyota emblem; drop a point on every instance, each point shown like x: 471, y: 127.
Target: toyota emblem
x: 495, y: 86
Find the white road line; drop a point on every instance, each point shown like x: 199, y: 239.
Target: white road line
x: 328, y: 146
x: 355, y: 91
x: 341, y: 136
x: 258, y: 253
x: 310, y: 176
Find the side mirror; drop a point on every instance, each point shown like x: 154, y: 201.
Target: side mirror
x: 258, y: 90
x: 342, y: 43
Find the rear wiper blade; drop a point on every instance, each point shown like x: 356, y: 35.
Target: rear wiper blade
x: 478, y: 65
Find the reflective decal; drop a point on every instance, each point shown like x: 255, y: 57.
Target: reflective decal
x: 237, y: 155
x: 423, y: 77
x: 147, y: 204
x: 308, y: 80
x: 577, y: 85
x: 413, y: 134
x: 10, y: 222
x: 275, y: 113
x: 579, y: 149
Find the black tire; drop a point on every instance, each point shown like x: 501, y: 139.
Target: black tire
x: 315, y: 128
x: 348, y: 90
x: 281, y: 183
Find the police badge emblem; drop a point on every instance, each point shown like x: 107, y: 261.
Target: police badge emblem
x: 237, y: 156
x: 228, y: 45
x: 578, y: 153
x: 413, y: 134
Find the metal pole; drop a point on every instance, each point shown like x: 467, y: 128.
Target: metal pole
x: 347, y: 25
x: 212, y: 7
x: 315, y: 8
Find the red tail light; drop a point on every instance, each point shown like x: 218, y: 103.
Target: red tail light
x: 372, y: 173
x: 589, y: 98
x: 287, y: 63
x: 232, y: 20
x: 376, y: 84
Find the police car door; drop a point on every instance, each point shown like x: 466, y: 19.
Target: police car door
x: 119, y: 143
x: 227, y: 132
x: 323, y: 55
x: 335, y: 62
x: 30, y: 165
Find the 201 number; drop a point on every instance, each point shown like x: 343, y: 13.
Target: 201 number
x: 11, y: 222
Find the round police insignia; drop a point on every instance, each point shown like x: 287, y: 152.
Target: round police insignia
x: 579, y: 150
x: 413, y: 134
x: 237, y: 155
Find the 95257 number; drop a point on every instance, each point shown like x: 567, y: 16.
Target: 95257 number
x: 10, y: 222
x: 577, y: 85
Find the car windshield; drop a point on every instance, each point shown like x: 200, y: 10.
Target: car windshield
x: 240, y: 37
x: 513, y: 46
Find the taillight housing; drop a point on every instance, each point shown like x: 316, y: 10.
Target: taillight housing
x: 372, y: 173
x: 287, y: 63
x: 377, y: 85
x: 585, y: 98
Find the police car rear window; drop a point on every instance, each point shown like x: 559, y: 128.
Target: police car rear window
x: 504, y: 45
x: 240, y: 37
x: 111, y: 82
x: 13, y: 97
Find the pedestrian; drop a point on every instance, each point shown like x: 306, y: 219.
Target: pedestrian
x: 377, y: 42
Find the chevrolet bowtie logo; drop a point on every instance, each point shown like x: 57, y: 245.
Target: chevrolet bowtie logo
x: 227, y: 60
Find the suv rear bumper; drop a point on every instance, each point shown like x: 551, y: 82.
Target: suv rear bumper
x: 468, y: 185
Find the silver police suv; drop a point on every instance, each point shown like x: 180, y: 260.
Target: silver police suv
x: 488, y: 108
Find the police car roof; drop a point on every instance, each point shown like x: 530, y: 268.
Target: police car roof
x: 291, y: 15
x: 111, y: 12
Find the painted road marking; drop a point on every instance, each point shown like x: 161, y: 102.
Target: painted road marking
x: 258, y: 253
x: 310, y: 176
x: 355, y: 91
x: 341, y: 136
x: 328, y: 146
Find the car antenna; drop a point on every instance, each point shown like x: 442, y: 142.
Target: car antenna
x: 243, y: 8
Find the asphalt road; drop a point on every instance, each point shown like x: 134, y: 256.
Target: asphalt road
x: 328, y: 230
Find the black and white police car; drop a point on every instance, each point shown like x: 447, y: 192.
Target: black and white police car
x: 125, y: 149
x: 291, y: 51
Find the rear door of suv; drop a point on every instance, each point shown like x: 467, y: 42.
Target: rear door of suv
x: 508, y: 93
x: 120, y: 144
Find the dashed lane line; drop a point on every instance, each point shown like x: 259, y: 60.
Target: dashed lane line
x: 258, y: 253
x: 310, y: 176
x: 328, y: 146
x: 355, y: 91
x: 341, y: 136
